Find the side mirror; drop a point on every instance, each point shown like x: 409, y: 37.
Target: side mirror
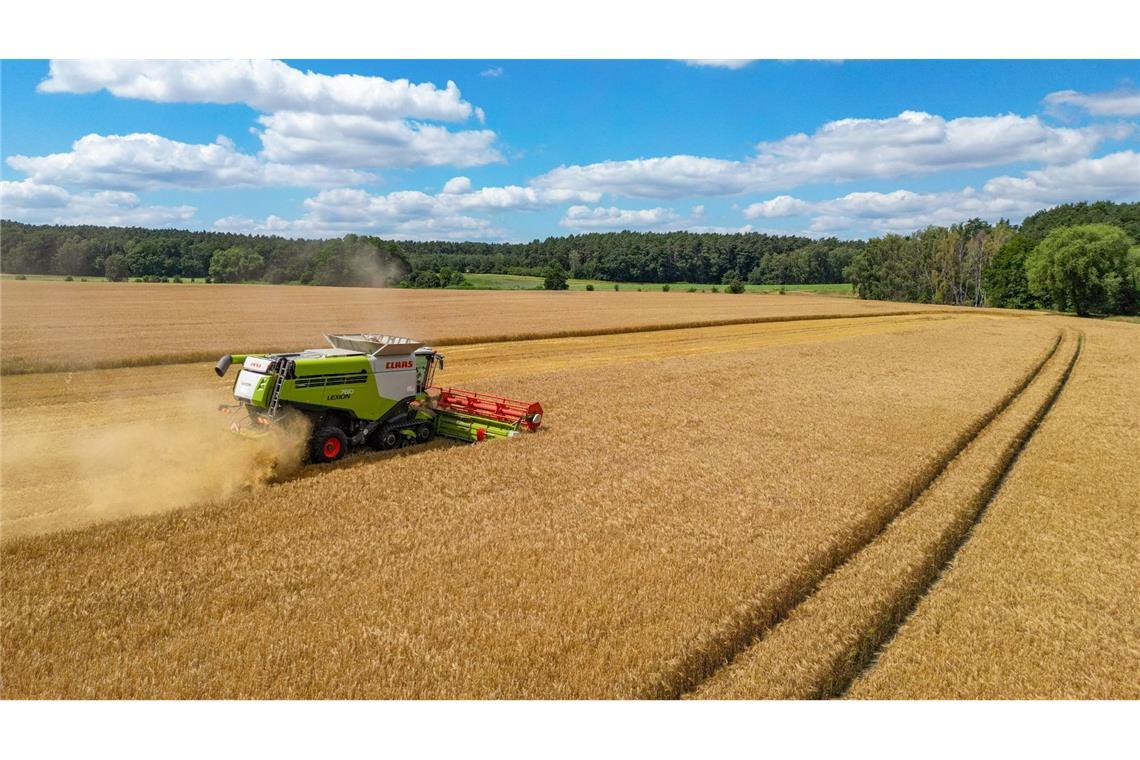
x: 223, y: 365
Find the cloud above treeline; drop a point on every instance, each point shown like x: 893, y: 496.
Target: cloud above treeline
x: 150, y: 162
x: 410, y: 213
x: 911, y: 143
x: 339, y: 134
x: 49, y: 204
x: 1116, y: 175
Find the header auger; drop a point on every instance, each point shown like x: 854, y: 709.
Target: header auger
x: 366, y: 389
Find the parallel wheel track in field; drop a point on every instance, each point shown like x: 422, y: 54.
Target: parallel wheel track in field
x: 867, y: 661
x: 761, y: 614
x: 822, y: 645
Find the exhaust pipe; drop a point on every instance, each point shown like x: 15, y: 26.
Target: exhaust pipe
x: 223, y: 365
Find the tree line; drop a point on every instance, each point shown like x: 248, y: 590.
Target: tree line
x: 650, y: 257
x: 1077, y: 257
x: 138, y: 253
x: 120, y: 253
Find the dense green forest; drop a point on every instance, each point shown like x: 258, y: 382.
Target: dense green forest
x: 651, y: 257
x: 1077, y: 257
x: 122, y: 253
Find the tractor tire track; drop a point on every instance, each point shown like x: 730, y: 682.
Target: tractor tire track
x: 763, y: 612
x: 826, y: 641
x: 966, y: 535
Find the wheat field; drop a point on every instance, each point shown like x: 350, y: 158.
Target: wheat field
x: 144, y: 424
x: 55, y: 325
x: 742, y: 510
x: 614, y: 554
x: 828, y: 639
x: 1043, y: 601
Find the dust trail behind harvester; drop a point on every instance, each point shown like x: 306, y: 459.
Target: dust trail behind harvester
x: 149, y: 449
x: 117, y: 463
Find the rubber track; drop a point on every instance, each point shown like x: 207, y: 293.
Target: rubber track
x: 992, y: 492
x: 763, y: 612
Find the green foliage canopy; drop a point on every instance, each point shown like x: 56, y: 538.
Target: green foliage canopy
x: 235, y: 264
x: 1005, y: 279
x: 115, y: 267
x: 555, y: 277
x: 1087, y: 268
x: 1126, y: 216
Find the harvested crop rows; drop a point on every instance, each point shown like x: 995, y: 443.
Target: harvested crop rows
x: 667, y: 507
x: 48, y: 326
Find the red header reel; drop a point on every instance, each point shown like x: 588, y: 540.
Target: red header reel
x: 526, y: 414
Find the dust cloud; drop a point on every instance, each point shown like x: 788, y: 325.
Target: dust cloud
x: 120, y: 465
x: 368, y: 269
x: 95, y: 461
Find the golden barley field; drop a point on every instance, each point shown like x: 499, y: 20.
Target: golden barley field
x: 166, y: 413
x: 1042, y: 602
x: 829, y: 639
x: 83, y: 325
x: 893, y: 503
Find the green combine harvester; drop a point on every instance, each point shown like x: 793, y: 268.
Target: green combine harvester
x: 373, y: 390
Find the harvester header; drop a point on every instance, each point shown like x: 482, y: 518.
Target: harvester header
x: 367, y: 388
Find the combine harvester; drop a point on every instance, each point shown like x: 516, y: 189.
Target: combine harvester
x: 366, y: 389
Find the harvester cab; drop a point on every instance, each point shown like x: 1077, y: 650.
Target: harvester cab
x: 366, y: 389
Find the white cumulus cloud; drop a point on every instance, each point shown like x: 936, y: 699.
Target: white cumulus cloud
x: 144, y: 161
x: 911, y: 143
x: 409, y: 214
x: 1112, y: 177
x: 1115, y: 176
x: 312, y: 226
x: 320, y: 122
x: 1122, y: 102
x: 350, y: 140
x: 613, y: 218
x: 261, y: 84
x: 780, y: 206
x: 35, y: 203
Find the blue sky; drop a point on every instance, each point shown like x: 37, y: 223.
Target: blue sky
x: 516, y: 150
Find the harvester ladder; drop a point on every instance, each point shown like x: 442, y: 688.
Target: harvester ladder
x: 275, y: 397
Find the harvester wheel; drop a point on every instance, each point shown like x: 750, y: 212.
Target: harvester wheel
x: 382, y: 440
x: 329, y: 444
x: 424, y: 433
